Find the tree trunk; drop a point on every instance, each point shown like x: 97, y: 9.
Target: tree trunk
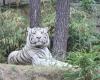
x: 34, y: 13
x: 3, y: 2
x: 61, y: 29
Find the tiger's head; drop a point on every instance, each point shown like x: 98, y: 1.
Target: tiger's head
x: 38, y: 37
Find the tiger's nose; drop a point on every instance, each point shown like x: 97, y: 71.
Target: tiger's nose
x: 38, y: 37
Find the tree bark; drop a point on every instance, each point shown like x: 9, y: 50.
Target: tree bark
x: 3, y: 2
x: 61, y: 29
x: 35, y: 13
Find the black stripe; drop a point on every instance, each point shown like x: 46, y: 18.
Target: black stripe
x: 33, y: 62
x: 41, y: 54
x: 18, y: 61
x: 11, y: 59
x: 23, y: 60
x: 28, y: 55
x: 30, y: 39
x: 27, y: 58
x: 15, y: 59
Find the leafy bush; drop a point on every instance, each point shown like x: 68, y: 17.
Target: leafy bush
x: 74, y: 57
x: 81, y: 31
x: 89, y: 64
x: 84, y: 45
x: 12, y: 32
x: 88, y: 5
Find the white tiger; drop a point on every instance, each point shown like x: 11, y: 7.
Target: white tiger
x: 35, y: 51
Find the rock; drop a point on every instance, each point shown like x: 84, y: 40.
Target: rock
x: 22, y: 72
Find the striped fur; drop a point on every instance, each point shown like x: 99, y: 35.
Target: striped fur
x: 19, y: 57
x: 35, y: 51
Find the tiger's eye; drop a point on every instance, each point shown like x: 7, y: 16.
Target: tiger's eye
x: 42, y: 32
x: 45, y: 37
x: 34, y: 33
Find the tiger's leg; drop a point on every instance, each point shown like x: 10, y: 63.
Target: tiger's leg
x: 49, y: 62
x: 57, y: 63
x: 61, y: 64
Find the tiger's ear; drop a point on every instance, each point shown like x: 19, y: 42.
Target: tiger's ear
x: 47, y: 29
x: 28, y: 29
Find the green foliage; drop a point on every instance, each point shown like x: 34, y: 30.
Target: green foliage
x: 12, y: 32
x: 53, y: 2
x: 81, y: 31
x: 74, y: 57
x: 89, y: 64
x: 88, y: 5
x: 84, y: 44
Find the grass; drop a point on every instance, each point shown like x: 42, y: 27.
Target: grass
x: 76, y: 5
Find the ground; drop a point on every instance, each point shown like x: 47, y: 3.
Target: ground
x: 22, y: 72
